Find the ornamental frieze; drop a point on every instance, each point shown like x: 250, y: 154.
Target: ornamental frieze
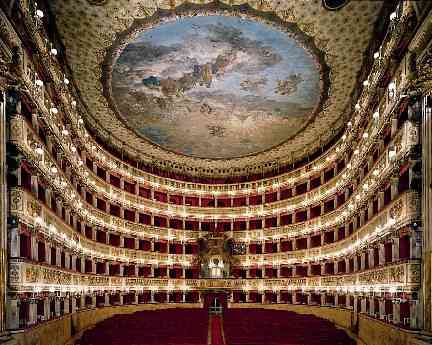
x: 32, y: 274
x: 37, y: 275
x: 414, y: 273
x: 56, y: 277
x: 396, y: 274
x: 374, y: 277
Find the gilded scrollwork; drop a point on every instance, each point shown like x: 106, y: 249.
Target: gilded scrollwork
x: 14, y: 273
x: 396, y: 210
x: 16, y: 200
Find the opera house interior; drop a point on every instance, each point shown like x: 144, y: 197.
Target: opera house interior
x: 149, y: 213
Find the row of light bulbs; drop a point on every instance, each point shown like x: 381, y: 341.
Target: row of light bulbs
x: 260, y: 211
x: 78, y: 205
x: 392, y: 288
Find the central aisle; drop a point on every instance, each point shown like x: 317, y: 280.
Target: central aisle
x: 216, y: 330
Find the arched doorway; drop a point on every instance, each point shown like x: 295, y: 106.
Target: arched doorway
x: 216, y: 306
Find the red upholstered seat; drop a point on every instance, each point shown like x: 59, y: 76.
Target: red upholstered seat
x: 277, y: 327
x: 168, y: 327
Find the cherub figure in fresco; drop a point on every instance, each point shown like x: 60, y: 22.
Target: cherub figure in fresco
x: 289, y: 85
x: 202, y: 74
x: 253, y: 84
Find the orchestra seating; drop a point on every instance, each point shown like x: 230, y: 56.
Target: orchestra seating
x: 167, y: 327
x: 276, y: 327
x: 240, y: 327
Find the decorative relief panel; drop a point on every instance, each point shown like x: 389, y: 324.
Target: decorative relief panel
x: 27, y: 277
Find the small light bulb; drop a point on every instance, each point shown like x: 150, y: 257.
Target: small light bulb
x: 73, y: 149
x: 54, y: 110
x: 54, y: 170
x: 376, y: 55
x: 54, y: 51
x: 366, y: 83
x: 39, y: 150
x: 65, y: 132
x: 39, y: 83
x: 66, y: 81
x: 365, y: 135
x: 39, y: 13
x: 393, y: 16
x: 357, y: 106
x: 73, y: 103
x: 376, y: 115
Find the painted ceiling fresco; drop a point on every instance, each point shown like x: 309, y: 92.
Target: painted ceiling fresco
x: 216, y: 86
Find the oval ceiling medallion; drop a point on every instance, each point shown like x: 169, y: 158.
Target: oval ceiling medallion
x: 216, y: 86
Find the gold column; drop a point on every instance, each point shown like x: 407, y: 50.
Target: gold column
x: 426, y: 138
x: 3, y: 213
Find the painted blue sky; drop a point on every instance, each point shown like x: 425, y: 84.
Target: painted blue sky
x: 261, y: 89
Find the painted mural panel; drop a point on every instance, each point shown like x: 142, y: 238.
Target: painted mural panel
x: 216, y: 86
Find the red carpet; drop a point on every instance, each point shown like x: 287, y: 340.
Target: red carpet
x: 216, y: 330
